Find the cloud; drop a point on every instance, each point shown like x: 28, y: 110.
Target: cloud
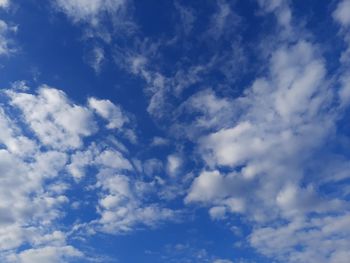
x: 152, y: 167
x: 41, y: 146
x: 319, y: 240
x: 222, y: 261
x: 113, y: 159
x: 122, y: 207
x: 4, y: 3
x: 29, y: 206
x: 264, y: 153
x: 288, y: 108
x: 11, y: 137
x: 6, y: 44
x: 282, y: 122
x: 95, y: 58
x: 55, y: 120
x: 109, y: 111
x: 342, y: 13
x: 281, y: 9
x: 80, y: 10
x: 223, y: 21
x: 187, y: 17
x: 159, y: 141
x: 46, y: 255
x: 174, y: 163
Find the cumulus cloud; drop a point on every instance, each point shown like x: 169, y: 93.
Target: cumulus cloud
x: 321, y: 240
x: 122, y: 207
x: 263, y: 153
x: 41, y: 146
x: 46, y: 255
x: 342, y: 13
x: 174, y: 163
x: 109, y: 111
x: 29, y: 207
x: 55, y: 120
x: 283, y: 119
x: 80, y: 10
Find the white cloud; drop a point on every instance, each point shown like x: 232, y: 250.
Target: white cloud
x: 285, y: 113
x: 55, y: 120
x: 174, y: 163
x: 159, y: 141
x: 319, y: 240
x: 207, y: 187
x: 282, y: 121
x: 226, y: 192
x: 152, y: 167
x: 11, y: 137
x: 49, y: 254
x: 211, y: 113
x: 81, y: 10
x: 80, y: 160
x: 4, y: 3
x: 342, y: 13
x: 217, y: 212
x: 29, y: 207
x: 122, y: 208
x: 113, y: 159
x: 109, y: 111
x: 34, y: 177
x: 6, y: 45
x: 20, y: 85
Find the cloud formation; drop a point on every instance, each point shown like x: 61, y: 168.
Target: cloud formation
x: 43, y: 146
x: 242, y: 115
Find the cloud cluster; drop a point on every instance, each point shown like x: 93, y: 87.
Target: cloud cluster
x: 266, y: 153
x: 283, y: 123
x: 44, y: 143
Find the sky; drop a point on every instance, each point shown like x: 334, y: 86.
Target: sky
x: 175, y: 131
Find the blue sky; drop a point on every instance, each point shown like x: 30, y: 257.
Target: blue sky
x: 174, y: 131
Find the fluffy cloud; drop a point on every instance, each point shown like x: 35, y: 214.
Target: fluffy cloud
x: 283, y: 119
x: 122, y: 207
x: 55, y: 120
x: 342, y: 13
x: 284, y: 114
x: 80, y: 10
x: 29, y: 206
x: 47, y: 254
x: 109, y: 111
x: 319, y: 240
x: 174, y: 163
x: 41, y: 146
